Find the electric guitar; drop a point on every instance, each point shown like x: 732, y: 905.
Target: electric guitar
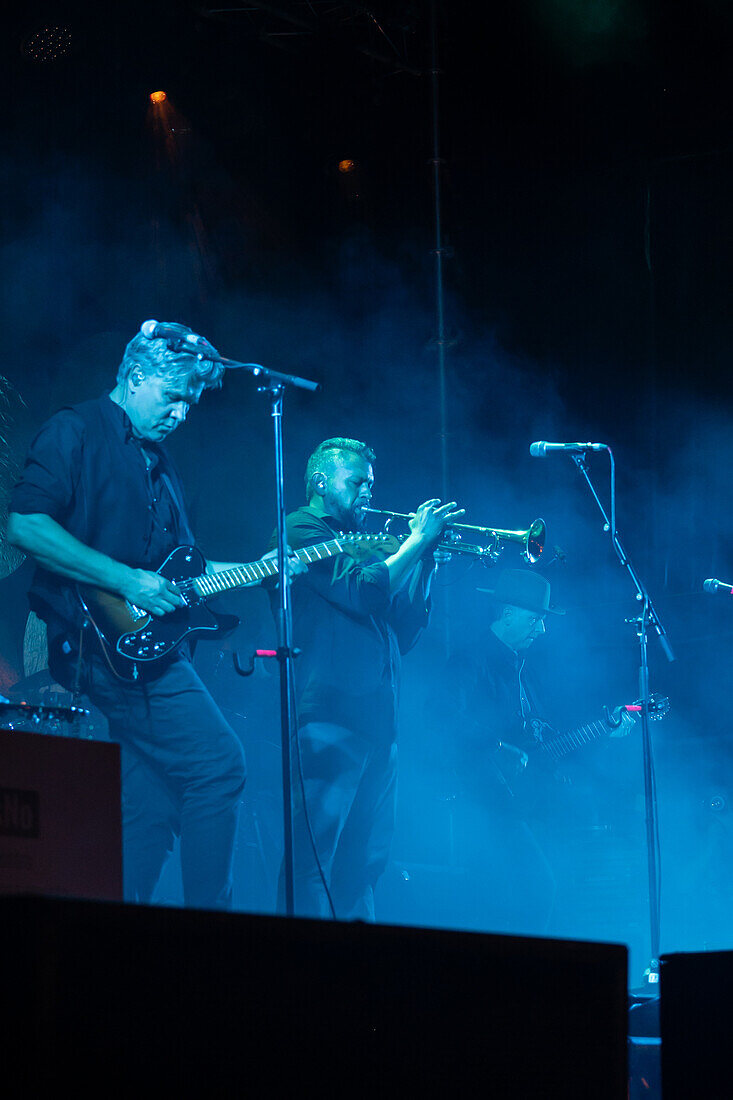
x: 134, y: 643
x: 548, y: 747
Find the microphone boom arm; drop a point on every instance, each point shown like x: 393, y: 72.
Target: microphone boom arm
x: 270, y: 376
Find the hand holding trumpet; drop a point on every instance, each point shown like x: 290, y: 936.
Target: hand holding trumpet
x: 426, y: 527
x: 430, y: 520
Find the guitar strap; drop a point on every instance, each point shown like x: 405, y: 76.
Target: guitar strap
x: 168, y: 482
x: 533, y: 725
x: 160, y: 461
x: 525, y: 706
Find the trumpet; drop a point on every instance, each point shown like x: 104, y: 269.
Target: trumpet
x: 532, y: 539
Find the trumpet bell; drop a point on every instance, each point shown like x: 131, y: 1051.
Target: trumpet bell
x: 532, y: 540
x: 535, y: 543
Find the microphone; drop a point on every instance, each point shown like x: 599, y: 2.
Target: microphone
x: 712, y: 586
x: 541, y: 448
x: 177, y: 340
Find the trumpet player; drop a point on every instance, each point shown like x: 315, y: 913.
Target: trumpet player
x: 353, y: 618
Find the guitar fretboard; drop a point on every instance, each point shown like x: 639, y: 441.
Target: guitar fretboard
x: 561, y: 744
x: 210, y: 584
x: 564, y: 743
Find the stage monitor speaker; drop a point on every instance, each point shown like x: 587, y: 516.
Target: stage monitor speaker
x: 60, y: 817
x: 696, y: 1024
x: 111, y: 998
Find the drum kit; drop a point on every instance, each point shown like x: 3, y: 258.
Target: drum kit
x: 55, y: 716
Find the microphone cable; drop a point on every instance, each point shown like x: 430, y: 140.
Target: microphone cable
x: 306, y: 815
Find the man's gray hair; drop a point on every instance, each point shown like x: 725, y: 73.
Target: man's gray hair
x: 161, y: 356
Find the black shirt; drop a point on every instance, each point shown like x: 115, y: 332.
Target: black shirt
x: 496, y: 701
x: 504, y: 688
x: 87, y: 470
x: 493, y: 705
x: 351, y: 632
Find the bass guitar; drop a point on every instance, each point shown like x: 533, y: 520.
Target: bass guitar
x: 133, y: 642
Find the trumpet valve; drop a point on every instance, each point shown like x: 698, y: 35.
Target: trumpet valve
x: 451, y: 536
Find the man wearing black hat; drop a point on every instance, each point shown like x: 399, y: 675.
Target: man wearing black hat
x: 521, y: 604
x: 504, y: 788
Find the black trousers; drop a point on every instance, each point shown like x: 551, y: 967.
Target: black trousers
x: 183, y: 775
x: 350, y: 794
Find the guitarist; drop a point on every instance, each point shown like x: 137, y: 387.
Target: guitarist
x: 100, y: 503
x: 352, y: 620
x: 505, y: 789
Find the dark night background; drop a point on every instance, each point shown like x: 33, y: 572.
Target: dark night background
x: 586, y: 176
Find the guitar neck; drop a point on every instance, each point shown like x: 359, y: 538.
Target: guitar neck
x: 210, y: 584
x: 564, y: 743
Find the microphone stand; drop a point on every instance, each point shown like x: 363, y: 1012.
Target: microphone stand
x: 273, y: 384
x: 648, y: 617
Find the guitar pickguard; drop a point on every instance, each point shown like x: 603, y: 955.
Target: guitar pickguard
x: 157, y: 637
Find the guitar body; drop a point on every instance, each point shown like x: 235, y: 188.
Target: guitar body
x: 526, y: 773
x: 133, y: 641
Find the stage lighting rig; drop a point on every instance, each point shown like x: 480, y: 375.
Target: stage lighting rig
x: 49, y: 43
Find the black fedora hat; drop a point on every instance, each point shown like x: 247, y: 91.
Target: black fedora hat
x: 521, y: 588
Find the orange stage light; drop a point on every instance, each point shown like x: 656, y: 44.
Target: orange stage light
x: 346, y: 166
x: 158, y: 97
